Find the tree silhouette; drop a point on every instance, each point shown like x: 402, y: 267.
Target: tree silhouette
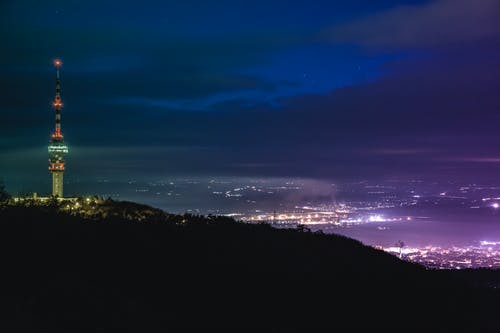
x: 4, y: 195
x: 303, y: 228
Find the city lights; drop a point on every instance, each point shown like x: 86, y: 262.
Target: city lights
x: 485, y: 254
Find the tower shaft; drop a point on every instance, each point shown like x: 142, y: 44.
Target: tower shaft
x: 57, y: 147
x: 57, y: 183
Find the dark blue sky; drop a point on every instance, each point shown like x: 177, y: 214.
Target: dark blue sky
x: 321, y: 89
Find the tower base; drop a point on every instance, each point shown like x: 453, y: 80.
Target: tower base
x: 57, y: 184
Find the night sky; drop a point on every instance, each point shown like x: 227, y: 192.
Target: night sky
x: 320, y: 89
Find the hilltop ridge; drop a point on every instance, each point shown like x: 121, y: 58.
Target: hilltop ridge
x: 133, y: 267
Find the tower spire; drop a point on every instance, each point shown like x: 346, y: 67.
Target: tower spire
x: 57, y: 148
x: 57, y: 101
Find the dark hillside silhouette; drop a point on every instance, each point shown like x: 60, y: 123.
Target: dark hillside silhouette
x: 63, y: 272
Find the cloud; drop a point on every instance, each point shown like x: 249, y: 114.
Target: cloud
x: 402, y: 151
x: 121, y: 89
x: 108, y: 65
x: 494, y: 159
x: 432, y: 24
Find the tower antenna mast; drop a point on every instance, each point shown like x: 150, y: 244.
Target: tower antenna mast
x: 57, y: 147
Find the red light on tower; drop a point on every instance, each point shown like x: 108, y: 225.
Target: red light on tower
x: 57, y: 63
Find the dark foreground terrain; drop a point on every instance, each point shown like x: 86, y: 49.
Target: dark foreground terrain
x: 65, y: 272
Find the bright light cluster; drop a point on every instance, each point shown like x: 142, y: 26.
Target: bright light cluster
x: 487, y: 254
x: 58, y: 149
